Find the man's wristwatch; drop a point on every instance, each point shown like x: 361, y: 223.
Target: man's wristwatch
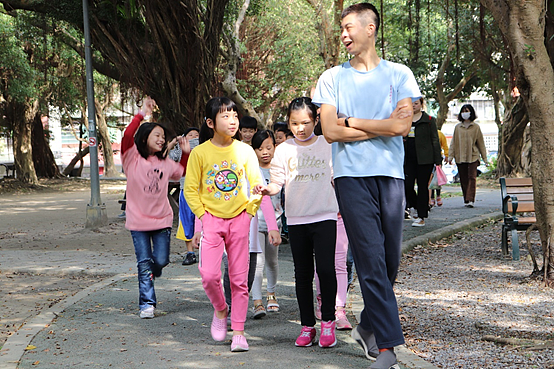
x: 346, y: 122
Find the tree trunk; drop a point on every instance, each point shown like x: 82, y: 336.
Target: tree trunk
x: 442, y: 98
x: 232, y: 56
x: 511, y: 140
x: 105, y: 143
x: 43, y: 158
x: 327, y: 26
x: 78, y: 157
x: 523, y: 25
x: 21, y: 115
x: 442, y: 113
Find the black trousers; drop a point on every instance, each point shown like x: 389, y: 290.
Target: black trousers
x: 318, y: 238
x: 420, y: 174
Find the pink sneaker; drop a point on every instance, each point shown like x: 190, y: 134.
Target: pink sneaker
x: 341, y: 319
x: 239, y: 344
x: 327, y: 337
x: 219, y: 327
x: 318, y: 308
x: 306, y: 338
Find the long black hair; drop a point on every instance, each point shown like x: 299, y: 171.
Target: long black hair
x: 141, y: 139
x: 205, y: 133
x: 301, y: 103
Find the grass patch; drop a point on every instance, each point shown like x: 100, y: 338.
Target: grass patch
x: 445, y: 195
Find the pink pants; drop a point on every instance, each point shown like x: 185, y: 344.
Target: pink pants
x: 341, y: 253
x: 231, y: 235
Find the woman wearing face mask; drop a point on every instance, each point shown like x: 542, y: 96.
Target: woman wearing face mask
x: 466, y: 145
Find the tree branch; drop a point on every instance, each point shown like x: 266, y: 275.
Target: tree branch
x: 99, y: 64
x: 470, y: 72
x: 31, y: 5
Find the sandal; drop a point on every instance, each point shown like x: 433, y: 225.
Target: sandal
x: 439, y: 201
x: 272, y: 304
x: 259, y: 311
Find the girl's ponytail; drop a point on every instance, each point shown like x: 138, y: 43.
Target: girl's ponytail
x: 301, y: 103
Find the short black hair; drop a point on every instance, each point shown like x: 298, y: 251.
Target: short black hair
x: 218, y: 105
x: 248, y: 122
x: 188, y: 130
x: 362, y: 8
x: 141, y: 139
x: 472, y: 115
x: 260, y: 136
x: 280, y: 127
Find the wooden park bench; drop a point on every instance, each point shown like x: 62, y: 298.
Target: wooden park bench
x: 517, y: 204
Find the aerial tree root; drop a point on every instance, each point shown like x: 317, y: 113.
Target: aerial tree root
x: 531, y: 345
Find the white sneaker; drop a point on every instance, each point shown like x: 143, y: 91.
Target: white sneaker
x: 419, y: 222
x: 470, y: 204
x: 148, y: 312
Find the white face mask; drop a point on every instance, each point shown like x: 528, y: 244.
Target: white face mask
x: 466, y: 115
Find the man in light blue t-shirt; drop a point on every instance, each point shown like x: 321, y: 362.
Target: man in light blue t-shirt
x: 366, y: 109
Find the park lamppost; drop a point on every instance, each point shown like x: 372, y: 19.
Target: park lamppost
x: 96, y: 211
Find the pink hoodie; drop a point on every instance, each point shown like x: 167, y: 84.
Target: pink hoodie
x: 148, y: 207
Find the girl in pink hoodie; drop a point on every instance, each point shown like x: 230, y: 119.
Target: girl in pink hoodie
x: 149, y: 214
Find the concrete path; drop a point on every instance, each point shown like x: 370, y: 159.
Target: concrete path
x: 99, y: 326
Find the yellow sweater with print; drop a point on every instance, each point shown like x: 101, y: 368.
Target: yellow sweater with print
x: 219, y: 179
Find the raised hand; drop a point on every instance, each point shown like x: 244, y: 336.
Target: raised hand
x: 184, y: 144
x: 148, y: 106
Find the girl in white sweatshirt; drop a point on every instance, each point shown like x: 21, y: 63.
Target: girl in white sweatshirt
x: 303, y: 165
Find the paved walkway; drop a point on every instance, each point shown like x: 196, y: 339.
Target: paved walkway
x: 99, y: 326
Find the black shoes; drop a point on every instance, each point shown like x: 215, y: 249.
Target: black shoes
x: 189, y: 259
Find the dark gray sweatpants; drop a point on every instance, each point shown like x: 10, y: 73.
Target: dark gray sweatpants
x: 373, y: 213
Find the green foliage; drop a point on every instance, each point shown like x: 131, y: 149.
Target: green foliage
x: 47, y: 69
x: 280, y: 50
x: 59, y: 70
x: 17, y: 76
x: 493, y: 163
x: 422, y: 43
x: 281, y: 59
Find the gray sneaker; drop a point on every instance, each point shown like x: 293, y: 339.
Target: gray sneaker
x: 386, y: 360
x: 368, y: 343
